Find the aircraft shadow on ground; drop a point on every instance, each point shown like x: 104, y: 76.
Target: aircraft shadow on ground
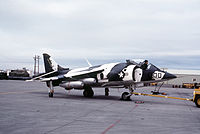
x: 95, y: 97
x: 78, y: 96
x: 134, y: 99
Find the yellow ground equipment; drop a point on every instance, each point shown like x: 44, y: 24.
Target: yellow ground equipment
x: 188, y: 85
x: 153, y: 84
x: 196, y: 98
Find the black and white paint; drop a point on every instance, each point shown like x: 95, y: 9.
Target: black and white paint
x: 125, y: 74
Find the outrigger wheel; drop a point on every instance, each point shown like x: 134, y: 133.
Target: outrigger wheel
x: 197, y: 101
x: 50, y: 94
x: 125, y: 96
x: 88, y: 92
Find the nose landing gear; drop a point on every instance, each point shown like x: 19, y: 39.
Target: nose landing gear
x: 127, y: 96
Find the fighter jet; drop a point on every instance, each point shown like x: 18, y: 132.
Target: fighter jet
x: 127, y: 74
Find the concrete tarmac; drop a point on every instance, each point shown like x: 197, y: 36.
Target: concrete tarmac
x: 25, y: 108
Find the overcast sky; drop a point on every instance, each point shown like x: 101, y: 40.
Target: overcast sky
x: 165, y: 31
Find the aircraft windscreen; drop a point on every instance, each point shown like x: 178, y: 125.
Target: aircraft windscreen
x: 152, y: 67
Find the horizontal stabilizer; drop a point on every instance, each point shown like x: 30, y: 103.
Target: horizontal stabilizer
x: 37, y: 78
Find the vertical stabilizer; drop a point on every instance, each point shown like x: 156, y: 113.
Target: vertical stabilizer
x: 49, y: 64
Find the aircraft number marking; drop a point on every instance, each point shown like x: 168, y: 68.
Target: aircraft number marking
x: 158, y: 75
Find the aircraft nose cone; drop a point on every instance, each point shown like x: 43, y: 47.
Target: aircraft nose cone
x: 169, y: 76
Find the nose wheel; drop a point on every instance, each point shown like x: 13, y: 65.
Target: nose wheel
x: 126, y: 96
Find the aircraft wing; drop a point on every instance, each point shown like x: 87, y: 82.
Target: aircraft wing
x: 83, y: 74
x: 74, y: 76
x: 53, y: 78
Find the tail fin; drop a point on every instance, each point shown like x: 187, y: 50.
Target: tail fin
x: 49, y: 64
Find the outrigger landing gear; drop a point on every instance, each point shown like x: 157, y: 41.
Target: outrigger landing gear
x: 88, y: 92
x: 127, y: 96
x: 106, y: 91
x: 51, y: 89
x: 50, y: 95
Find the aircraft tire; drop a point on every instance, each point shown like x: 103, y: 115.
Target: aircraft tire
x: 197, y: 101
x: 106, y: 94
x: 106, y: 91
x: 125, y: 96
x: 50, y: 95
x: 88, y: 92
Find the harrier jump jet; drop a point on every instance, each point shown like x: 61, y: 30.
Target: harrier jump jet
x: 113, y: 75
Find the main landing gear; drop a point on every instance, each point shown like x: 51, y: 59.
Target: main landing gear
x: 106, y: 91
x: 88, y: 92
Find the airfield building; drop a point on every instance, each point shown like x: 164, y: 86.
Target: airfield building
x: 3, y: 75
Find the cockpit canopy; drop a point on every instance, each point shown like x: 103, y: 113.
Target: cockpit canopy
x: 140, y: 63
